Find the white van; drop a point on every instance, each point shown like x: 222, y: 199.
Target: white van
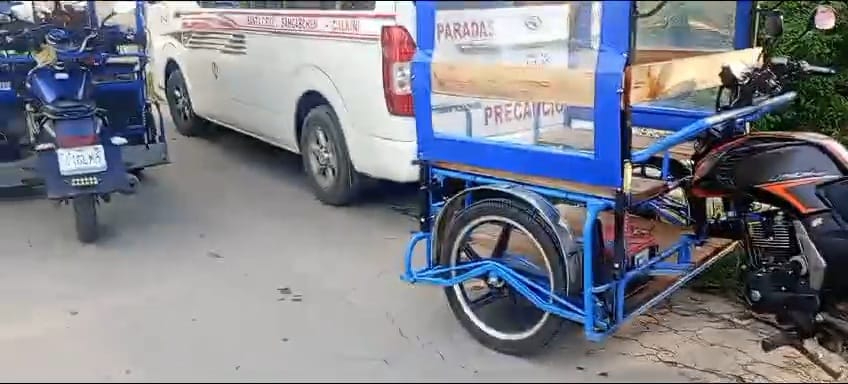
x: 331, y: 79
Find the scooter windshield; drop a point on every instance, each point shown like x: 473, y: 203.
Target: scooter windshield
x: 5, y: 7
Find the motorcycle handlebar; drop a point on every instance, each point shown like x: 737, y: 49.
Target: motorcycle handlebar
x: 692, y: 130
x: 18, y: 39
x: 803, y: 66
x: 759, y: 106
x: 819, y: 70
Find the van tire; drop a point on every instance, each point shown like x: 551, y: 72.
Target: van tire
x: 321, y: 136
x: 182, y: 112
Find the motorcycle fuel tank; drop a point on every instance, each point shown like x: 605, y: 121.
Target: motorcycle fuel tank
x: 781, y: 168
x: 49, y: 84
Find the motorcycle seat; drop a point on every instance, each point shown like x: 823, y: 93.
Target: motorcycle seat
x: 69, y: 109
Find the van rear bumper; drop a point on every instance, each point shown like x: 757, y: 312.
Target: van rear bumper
x: 389, y: 160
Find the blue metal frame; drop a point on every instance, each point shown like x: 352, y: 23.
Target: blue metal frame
x: 599, y: 315
x: 600, y: 318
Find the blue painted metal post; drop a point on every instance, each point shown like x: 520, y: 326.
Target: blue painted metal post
x: 91, y: 9
x: 745, y: 21
x: 593, y: 210
x: 613, y: 53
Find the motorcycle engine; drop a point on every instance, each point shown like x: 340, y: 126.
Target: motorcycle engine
x: 777, y: 277
x: 771, y: 238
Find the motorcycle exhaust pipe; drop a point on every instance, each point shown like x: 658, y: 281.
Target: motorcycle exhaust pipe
x: 837, y: 323
x: 133, y: 184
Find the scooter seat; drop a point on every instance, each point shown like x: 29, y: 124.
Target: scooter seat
x: 69, y: 109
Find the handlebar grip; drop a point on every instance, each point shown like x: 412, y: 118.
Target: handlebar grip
x: 803, y: 65
x: 820, y: 70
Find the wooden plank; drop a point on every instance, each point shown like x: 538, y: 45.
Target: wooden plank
x: 652, y: 81
x: 654, y: 55
x: 575, y: 87
x: 713, y: 247
x: 641, y: 188
x: 583, y: 139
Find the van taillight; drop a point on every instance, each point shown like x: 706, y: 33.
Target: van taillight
x: 398, y: 50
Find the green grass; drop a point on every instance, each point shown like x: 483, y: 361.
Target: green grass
x: 721, y: 279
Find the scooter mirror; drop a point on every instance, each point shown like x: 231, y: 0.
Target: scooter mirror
x: 824, y: 18
x: 773, y: 24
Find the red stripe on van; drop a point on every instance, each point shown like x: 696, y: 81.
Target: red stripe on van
x: 351, y: 14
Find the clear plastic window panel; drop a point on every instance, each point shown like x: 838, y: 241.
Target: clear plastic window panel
x: 689, y: 27
x: 692, y: 25
x: 477, y: 40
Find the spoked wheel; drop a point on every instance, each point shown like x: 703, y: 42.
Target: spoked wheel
x: 493, y: 312
x: 85, y: 218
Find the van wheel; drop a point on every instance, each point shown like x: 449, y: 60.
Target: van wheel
x: 179, y: 104
x: 326, y: 162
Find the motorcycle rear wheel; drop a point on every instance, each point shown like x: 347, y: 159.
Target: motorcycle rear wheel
x: 85, y: 218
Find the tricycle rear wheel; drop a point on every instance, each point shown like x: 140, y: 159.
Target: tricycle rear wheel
x: 520, y: 328
x: 85, y: 217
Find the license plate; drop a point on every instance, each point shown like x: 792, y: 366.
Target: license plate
x: 75, y: 161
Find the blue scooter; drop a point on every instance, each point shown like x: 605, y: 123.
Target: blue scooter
x: 67, y: 142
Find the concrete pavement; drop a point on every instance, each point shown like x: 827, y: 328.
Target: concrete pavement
x: 225, y: 268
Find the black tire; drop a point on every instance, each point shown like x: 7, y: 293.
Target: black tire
x: 345, y: 186
x: 179, y: 105
x: 536, y: 338
x: 85, y: 218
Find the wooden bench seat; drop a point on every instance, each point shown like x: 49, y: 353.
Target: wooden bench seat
x: 641, y: 188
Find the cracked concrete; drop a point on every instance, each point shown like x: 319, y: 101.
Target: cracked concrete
x: 224, y: 268
x: 704, y: 334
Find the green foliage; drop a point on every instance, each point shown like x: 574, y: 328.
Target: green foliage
x: 819, y: 107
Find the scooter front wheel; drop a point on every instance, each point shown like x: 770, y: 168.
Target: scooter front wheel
x: 85, y: 218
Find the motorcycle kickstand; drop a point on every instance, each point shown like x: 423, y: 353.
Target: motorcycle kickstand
x: 783, y: 339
